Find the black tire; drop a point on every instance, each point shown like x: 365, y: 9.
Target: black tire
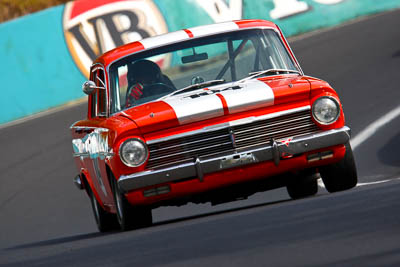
x: 302, y: 185
x: 341, y: 175
x: 128, y: 216
x: 105, y: 221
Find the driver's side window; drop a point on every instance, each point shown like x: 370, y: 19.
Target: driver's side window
x: 99, y: 98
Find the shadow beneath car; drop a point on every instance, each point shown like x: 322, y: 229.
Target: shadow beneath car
x: 69, y: 239
x: 57, y: 241
x: 203, y: 215
x: 396, y: 54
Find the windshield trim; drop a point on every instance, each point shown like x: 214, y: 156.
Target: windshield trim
x: 93, y: 68
x: 280, y: 35
x: 191, y: 39
x: 286, y: 43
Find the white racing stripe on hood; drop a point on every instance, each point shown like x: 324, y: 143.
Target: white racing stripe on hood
x: 205, y: 104
x: 189, y: 109
x: 253, y: 94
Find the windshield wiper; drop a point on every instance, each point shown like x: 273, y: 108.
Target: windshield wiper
x: 261, y: 72
x: 195, y: 86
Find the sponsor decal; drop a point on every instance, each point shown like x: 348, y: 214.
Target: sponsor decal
x: 287, y: 141
x: 93, y: 145
x: 213, y: 91
x: 92, y: 28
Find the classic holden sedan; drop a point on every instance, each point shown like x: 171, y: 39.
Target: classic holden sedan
x: 213, y: 114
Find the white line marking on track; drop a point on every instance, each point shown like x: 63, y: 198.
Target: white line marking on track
x: 377, y: 182
x: 371, y: 183
x: 321, y: 183
x: 374, y: 127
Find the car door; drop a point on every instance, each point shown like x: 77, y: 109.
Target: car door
x: 97, y: 137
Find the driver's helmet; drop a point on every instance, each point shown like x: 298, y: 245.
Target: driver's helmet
x: 140, y: 74
x: 144, y: 72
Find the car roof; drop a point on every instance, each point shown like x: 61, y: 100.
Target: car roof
x: 181, y: 35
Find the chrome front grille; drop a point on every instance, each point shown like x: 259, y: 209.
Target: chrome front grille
x: 187, y: 148
x: 229, y: 139
x: 282, y: 127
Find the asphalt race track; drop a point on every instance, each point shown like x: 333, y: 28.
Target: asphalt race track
x: 46, y: 221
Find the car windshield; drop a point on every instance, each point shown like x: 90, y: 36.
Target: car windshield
x: 196, y: 63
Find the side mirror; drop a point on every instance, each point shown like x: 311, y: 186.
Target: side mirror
x: 89, y: 87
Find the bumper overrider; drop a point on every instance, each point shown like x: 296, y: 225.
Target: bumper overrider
x: 202, y: 166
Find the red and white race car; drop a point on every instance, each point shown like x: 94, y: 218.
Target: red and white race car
x: 207, y: 114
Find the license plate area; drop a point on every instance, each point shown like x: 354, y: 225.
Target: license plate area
x: 237, y: 160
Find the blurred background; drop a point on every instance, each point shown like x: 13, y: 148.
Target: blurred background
x: 51, y: 48
x: 46, y: 48
x: 11, y: 9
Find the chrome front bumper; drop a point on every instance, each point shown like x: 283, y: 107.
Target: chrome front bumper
x: 200, y: 166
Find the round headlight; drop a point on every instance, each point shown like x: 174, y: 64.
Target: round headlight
x: 133, y: 152
x: 326, y: 110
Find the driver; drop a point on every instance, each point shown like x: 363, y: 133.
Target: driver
x: 141, y: 73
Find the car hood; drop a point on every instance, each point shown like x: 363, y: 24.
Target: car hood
x: 215, y: 101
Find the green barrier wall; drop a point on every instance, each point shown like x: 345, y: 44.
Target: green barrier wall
x: 39, y: 71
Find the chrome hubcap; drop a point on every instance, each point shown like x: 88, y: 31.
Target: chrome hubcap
x: 118, y: 203
x: 96, y: 208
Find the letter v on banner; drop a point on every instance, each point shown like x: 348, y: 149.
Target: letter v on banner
x: 92, y: 27
x: 220, y: 11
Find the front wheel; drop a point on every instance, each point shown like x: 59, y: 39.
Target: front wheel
x: 105, y: 221
x: 130, y: 217
x: 341, y: 175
